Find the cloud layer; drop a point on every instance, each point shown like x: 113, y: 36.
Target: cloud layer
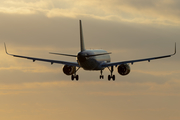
x: 130, y: 29
x: 140, y: 11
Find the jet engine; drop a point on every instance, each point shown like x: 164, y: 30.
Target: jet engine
x: 69, y: 70
x: 123, y: 69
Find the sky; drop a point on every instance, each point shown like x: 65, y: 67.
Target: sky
x: 127, y: 28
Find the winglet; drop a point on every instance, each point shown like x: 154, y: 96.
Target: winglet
x: 6, y: 49
x: 174, y: 50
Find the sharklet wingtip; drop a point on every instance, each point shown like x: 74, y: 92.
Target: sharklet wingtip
x: 5, y: 48
x: 174, y: 50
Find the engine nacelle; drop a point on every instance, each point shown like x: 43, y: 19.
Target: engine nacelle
x: 69, y: 70
x: 123, y: 69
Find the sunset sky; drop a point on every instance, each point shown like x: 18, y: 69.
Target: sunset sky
x: 130, y: 29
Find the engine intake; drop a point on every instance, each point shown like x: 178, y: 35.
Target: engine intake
x: 69, y: 70
x: 123, y: 69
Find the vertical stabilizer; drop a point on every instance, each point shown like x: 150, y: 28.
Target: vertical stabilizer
x: 81, y: 37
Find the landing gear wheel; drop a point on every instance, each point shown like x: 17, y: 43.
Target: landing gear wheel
x: 77, y: 77
x: 113, y: 77
x: 72, y: 77
x: 109, y: 77
x: 101, y: 77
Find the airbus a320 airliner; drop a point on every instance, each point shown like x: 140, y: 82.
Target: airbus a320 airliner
x: 92, y: 60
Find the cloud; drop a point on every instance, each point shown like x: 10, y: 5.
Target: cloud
x: 144, y: 88
x: 61, y: 13
x: 170, y: 88
x: 22, y: 7
x: 158, y: 73
x: 164, y: 12
x: 35, y: 85
x: 157, y: 12
x: 36, y: 4
x: 12, y: 10
x: 15, y: 89
x: 30, y: 69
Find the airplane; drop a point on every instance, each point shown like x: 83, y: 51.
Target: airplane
x: 92, y: 60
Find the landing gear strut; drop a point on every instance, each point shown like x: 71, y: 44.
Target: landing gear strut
x: 111, y: 76
x: 75, y: 76
x: 101, y: 76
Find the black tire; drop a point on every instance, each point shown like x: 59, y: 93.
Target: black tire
x: 77, y: 77
x: 113, y: 77
x: 101, y: 77
x: 72, y: 77
x: 109, y: 77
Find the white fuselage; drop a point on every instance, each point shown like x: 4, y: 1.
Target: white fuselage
x: 92, y: 62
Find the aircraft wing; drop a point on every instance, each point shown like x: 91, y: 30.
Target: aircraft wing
x: 138, y: 60
x: 45, y: 60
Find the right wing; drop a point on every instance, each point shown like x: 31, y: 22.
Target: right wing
x: 138, y: 60
x: 45, y: 60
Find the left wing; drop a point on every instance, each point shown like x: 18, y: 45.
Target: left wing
x: 138, y: 60
x: 45, y: 60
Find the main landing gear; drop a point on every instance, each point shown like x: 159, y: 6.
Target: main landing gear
x: 111, y: 76
x: 75, y: 76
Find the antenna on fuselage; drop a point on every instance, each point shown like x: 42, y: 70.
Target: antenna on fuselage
x: 81, y: 37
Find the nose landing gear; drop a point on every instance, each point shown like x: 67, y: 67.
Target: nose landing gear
x: 75, y: 76
x: 101, y: 76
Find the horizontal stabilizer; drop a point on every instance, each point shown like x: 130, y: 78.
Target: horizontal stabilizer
x: 63, y: 54
x: 76, y: 55
x: 97, y: 54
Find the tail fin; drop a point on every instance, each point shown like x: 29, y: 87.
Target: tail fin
x: 81, y: 37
